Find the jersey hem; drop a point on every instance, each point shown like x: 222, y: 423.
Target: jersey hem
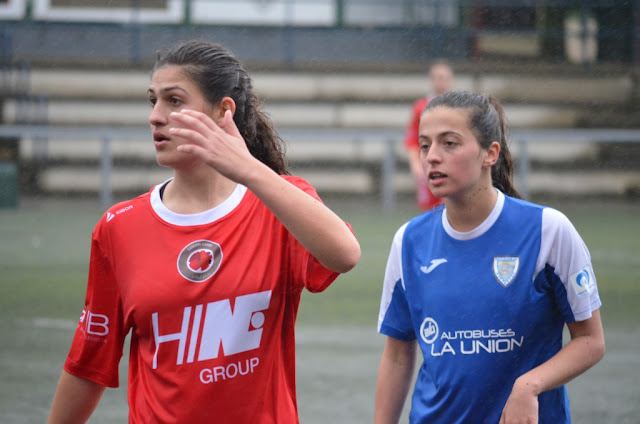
x: 74, y: 369
x: 396, y: 334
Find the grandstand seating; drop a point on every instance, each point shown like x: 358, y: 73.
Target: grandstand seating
x: 308, y: 100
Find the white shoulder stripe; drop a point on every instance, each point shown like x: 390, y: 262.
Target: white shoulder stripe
x: 562, y: 248
x: 392, y: 274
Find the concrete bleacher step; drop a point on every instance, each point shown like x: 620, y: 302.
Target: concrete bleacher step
x: 308, y: 100
x: 339, y: 86
x: 548, y: 150
x: 292, y: 114
x: 345, y: 181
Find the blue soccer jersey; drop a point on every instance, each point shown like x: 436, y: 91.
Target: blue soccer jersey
x: 485, y: 306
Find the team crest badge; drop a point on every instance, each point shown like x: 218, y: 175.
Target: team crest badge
x: 199, y: 260
x: 505, y: 268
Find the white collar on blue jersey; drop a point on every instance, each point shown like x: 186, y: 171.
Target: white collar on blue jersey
x: 480, y: 229
x: 201, y: 218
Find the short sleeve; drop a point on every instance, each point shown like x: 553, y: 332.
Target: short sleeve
x: 305, y: 267
x: 97, y: 345
x: 572, y: 277
x: 394, y: 319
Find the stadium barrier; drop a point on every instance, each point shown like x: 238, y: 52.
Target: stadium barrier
x: 378, y: 151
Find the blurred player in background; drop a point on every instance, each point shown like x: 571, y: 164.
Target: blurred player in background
x: 206, y: 270
x: 483, y: 286
x: 441, y: 80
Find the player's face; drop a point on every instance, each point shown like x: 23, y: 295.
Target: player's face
x: 441, y: 79
x: 451, y: 157
x: 171, y: 91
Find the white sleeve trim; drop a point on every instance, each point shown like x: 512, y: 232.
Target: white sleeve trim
x: 392, y: 274
x: 562, y: 248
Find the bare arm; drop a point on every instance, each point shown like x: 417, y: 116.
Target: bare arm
x: 413, y: 156
x: 75, y: 400
x: 584, y: 350
x: 394, y: 380
x: 314, y: 225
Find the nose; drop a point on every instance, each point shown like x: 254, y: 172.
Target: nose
x: 433, y: 154
x: 157, y: 117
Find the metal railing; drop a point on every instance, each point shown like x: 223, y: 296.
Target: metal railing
x: 389, y: 138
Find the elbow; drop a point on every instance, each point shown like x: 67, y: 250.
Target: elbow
x: 596, y: 350
x: 346, y: 259
x: 599, y: 351
x: 350, y: 258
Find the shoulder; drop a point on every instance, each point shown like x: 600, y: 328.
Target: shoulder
x: 113, y: 215
x: 425, y: 222
x: 295, y: 180
x: 557, y: 232
x: 302, y: 184
x: 399, y: 235
x: 522, y: 211
x: 420, y: 104
x: 522, y: 204
x: 556, y: 223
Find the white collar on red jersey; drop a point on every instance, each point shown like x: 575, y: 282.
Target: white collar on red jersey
x: 201, y: 218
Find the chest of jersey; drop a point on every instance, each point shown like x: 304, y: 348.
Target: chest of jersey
x: 200, y: 292
x: 479, y: 296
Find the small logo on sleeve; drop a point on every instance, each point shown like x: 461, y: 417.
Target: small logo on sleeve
x: 583, y: 281
x: 95, y: 326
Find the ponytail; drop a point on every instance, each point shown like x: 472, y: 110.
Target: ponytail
x: 502, y: 170
x: 261, y: 138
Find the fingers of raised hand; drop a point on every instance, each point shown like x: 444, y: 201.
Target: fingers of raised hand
x: 195, y: 137
x: 193, y: 120
x: 229, y: 126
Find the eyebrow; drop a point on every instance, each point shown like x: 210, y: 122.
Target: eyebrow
x: 168, y: 89
x: 442, y: 134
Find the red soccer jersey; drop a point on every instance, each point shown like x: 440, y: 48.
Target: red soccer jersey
x: 210, y: 300
x: 411, y: 132
x: 424, y: 198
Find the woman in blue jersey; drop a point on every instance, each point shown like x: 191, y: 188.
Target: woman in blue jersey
x: 483, y: 286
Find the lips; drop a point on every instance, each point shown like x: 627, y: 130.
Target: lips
x: 159, y: 137
x: 436, y: 177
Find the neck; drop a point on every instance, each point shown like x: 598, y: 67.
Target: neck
x: 197, y: 191
x: 468, y: 211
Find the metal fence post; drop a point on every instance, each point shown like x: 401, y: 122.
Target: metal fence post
x: 105, y: 192
x: 524, y: 168
x: 388, y: 173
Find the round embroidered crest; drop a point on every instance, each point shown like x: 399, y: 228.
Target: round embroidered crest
x: 199, y: 260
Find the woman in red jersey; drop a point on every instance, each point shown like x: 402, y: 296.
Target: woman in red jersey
x: 206, y: 269
x: 442, y: 80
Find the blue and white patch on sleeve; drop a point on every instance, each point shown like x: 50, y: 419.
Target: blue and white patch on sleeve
x: 583, y: 281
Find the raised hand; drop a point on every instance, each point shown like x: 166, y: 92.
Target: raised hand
x: 220, y: 146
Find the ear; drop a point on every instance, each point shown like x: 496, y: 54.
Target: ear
x: 492, y: 153
x: 226, y: 104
